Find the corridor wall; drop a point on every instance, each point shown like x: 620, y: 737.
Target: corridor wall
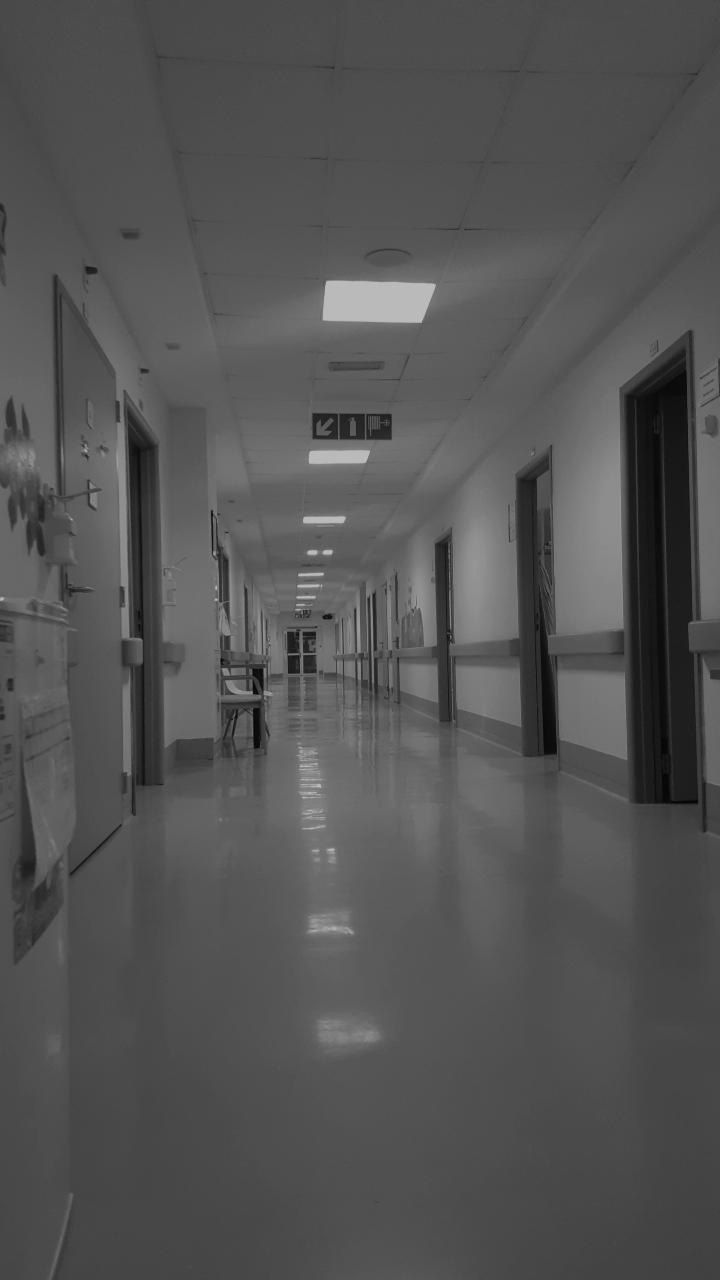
x: 580, y: 420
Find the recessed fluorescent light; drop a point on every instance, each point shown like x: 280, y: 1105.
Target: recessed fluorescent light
x: 377, y: 301
x: 312, y: 573
x: 338, y: 457
x: 326, y: 553
x: 324, y: 519
x: 301, y: 598
x: 314, y: 553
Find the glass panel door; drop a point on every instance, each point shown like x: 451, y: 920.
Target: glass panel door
x: 309, y: 653
x: 293, y: 652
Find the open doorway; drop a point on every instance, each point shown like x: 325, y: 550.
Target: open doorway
x: 145, y: 598
x: 536, y: 607
x: 660, y: 581
x: 444, y: 606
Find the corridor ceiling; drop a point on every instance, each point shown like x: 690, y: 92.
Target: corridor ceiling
x: 540, y: 160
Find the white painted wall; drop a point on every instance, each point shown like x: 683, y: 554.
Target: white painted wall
x: 43, y: 240
x: 580, y: 419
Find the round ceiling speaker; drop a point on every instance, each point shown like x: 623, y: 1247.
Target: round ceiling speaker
x: 386, y: 259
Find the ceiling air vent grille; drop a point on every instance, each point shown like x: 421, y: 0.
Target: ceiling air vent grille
x: 356, y: 366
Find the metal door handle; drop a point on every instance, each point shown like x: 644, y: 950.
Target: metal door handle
x: 79, y: 591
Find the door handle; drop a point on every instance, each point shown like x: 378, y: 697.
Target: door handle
x: 79, y: 591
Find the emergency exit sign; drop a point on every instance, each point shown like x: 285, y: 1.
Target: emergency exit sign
x: 352, y: 426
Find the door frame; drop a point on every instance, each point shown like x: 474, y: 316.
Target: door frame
x: 446, y: 684
x: 676, y: 359
x: 530, y: 660
x: 154, y: 697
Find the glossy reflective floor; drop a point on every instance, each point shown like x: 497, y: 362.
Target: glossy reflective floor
x: 390, y: 1004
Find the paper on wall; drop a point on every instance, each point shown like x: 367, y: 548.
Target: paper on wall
x: 49, y: 775
x: 8, y: 764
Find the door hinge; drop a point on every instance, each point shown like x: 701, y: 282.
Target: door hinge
x: 665, y: 764
x: 122, y: 597
x: 657, y: 424
x: 124, y: 783
x: 118, y: 411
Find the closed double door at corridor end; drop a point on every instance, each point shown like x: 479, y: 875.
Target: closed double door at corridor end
x: 301, y: 651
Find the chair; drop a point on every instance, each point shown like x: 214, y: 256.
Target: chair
x: 236, y: 700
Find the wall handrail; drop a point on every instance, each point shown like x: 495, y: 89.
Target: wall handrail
x: 509, y: 648
x: 417, y: 651
x: 586, y: 644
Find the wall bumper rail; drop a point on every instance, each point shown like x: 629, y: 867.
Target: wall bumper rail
x: 586, y: 644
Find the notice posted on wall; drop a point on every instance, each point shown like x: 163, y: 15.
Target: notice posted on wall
x: 49, y: 777
x: 8, y: 762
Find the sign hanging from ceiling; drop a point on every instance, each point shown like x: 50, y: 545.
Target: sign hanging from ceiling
x: 352, y: 426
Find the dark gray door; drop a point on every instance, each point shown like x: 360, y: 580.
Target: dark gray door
x: 88, y: 456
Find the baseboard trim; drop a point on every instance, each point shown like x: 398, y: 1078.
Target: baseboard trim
x: 500, y: 731
x: 425, y: 706
x: 597, y: 767
x: 63, y: 1237
x: 170, y: 756
x: 195, y: 749
x: 712, y: 808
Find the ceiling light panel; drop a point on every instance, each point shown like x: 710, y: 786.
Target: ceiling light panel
x: 324, y: 519
x: 338, y: 457
x: 316, y: 573
x: 377, y: 302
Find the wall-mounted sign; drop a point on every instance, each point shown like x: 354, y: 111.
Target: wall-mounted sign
x: 352, y: 426
x: 710, y: 384
x: 302, y: 614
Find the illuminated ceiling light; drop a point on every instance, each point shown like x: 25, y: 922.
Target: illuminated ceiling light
x: 314, y: 553
x: 338, y: 457
x: 327, y: 552
x: 299, y: 599
x: 324, y: 519
x: 376, y: 301
x: 315, y: 573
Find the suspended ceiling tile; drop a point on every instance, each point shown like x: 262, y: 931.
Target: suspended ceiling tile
x: 381, y: 194
x: 543, y: 195
x: 288, y: 332
x: 277, y: 410
x: 438, y: 33
x: 493, y: 256
x: 221, y: 109
x: 340, y: 340
x: 436, y: 390
x: 255, y: 189
x: 257, y: 361
x: 486, y: 336
x: 586, y: 117
x: 497, y: 297
x: 418, y: 115
x: 259, y: 295
x: 245, y: 31
x: 448, y: 364
x: 444, y: 411
x: 614, y: 35
x: 347, y: 247
x: 227, y: 249
x: 331, y: 391
x: 281, y: 386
